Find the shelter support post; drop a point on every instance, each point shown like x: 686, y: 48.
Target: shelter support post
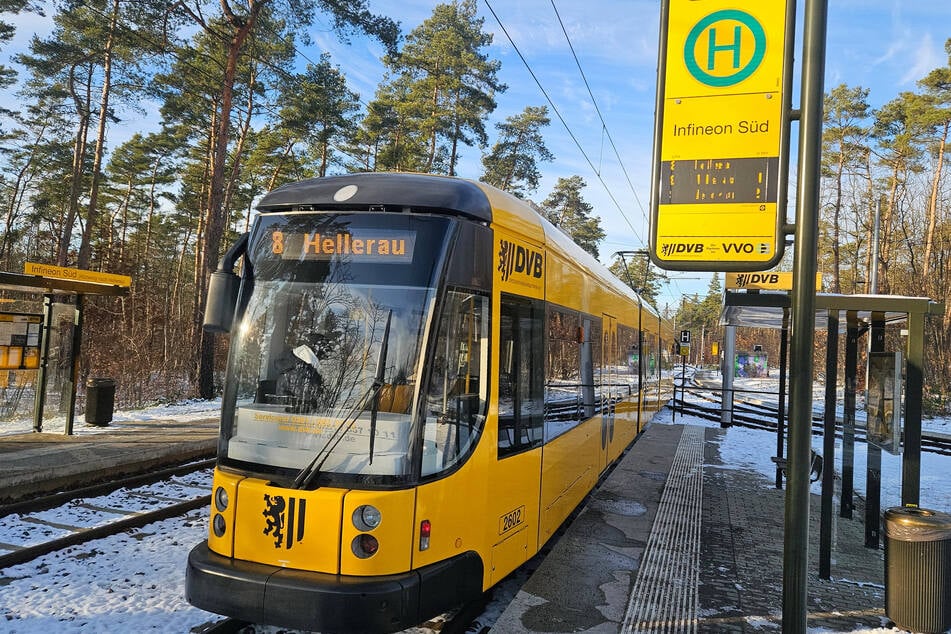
x: 828, y: 447
x: 74, y: 362
x: 781, y: 410
x: 39, y: 400
x: 873, y: 469
x: 848, y: 413
x: 729, y: 367
x: 914, y: 373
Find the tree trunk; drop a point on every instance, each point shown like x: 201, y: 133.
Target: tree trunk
x: 215, y: 214
x: 79, y: 159
x: 92, y: 214
x: 933, y: 203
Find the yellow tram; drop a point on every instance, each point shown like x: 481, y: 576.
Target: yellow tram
x: 425, y: 378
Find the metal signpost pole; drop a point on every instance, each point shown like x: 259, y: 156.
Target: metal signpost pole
x: 796, y: 539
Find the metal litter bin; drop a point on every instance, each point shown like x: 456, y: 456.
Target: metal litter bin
x: 100, y: 400
x: 918, y: 569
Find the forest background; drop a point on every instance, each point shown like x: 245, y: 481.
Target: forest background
x: 241, y: 115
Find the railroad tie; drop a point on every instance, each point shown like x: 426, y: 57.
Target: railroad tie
x: 664, y: 596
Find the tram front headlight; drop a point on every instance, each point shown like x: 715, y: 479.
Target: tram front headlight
x: 218, y: 525
x: 221, y: 499
x: 367, y: 517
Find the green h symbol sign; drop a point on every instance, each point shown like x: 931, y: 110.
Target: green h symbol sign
x: 714, y: 48
x: 708, y: 26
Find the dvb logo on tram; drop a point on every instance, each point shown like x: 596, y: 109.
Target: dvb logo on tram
x: 515, y: 258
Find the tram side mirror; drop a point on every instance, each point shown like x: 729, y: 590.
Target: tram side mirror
x: 223, y: 289
x: 222, y: 298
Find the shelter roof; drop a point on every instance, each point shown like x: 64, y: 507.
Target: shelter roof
x: 764, y: 309
x: 40, y: 284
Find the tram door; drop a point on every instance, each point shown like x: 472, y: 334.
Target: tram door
x: 610, y: 389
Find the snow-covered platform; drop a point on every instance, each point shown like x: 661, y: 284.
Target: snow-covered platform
x: 682, y: 537
x: 35, y: 463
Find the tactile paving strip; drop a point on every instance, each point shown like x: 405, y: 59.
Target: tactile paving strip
x: 664, y: 596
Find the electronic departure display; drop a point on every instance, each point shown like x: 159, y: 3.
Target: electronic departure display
x: 729, y: 180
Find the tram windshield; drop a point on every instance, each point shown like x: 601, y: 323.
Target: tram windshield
x: 327, y: 352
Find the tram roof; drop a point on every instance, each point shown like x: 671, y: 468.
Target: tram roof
x: 384, y: 191
x: 765, y: 309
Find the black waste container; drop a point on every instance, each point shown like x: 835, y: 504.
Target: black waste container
x: 918, y: 569
x: 100, y: 399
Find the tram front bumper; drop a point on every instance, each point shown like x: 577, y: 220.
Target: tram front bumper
x: 298, y: 599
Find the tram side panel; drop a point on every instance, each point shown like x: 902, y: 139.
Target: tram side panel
x: 511, y: 516
x: 622, y: 377
x: 573, y: 422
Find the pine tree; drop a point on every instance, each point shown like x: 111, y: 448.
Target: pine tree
x: 512, y: 165
x: 448, y: 82
x: 935, y: 116
x: 845, y: 146
x: 8, y: 75
x: 635, y: 271
x: 567, y: 209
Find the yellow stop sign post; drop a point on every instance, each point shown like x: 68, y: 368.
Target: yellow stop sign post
x: 721, y: 136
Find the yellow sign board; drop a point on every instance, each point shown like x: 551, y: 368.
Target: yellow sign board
x: 76, y: 275
x: 716, y: 47
x: 20, y: 341
x: 718, y: 191
x: 773, y: 281
x: 713, y: 124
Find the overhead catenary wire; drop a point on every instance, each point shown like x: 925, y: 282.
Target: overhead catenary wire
x: 604, y: 125
x: 557, y: 112
x: 604, y: 128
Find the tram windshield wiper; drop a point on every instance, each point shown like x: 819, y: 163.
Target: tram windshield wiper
x: 380, y: 372
x: 308, y: 473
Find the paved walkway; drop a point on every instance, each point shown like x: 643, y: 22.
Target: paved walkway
x: 676, y: 541
x: 36, y: 463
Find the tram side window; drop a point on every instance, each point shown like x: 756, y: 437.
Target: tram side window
x: 564, y: 405
x: 521, y: 375
x: 629, y: 366
x: 457, y: 393
x: 651, y: 362
x: 593, y: 340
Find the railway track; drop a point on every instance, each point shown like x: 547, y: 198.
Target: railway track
x: 49, y: 523
x: 762, y: 415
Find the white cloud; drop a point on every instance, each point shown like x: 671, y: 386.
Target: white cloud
x: 926, y: 56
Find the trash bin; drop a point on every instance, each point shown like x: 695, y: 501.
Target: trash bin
x: 918, y: 569
x: 100, y: 398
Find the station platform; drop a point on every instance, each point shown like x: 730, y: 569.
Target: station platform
x: 33, y: 464
x: 674, y: 540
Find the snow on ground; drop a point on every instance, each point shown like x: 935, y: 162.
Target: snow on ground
x: 135, y: 582
x: 183, y: 412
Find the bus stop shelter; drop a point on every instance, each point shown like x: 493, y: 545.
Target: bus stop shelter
x: 863, y: 314
x: 27, y: 340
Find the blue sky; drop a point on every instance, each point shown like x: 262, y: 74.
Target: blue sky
x: 883, y: 45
